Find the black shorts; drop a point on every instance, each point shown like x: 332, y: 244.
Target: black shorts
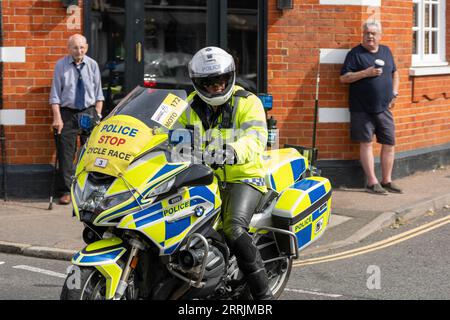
x: 364, y: 125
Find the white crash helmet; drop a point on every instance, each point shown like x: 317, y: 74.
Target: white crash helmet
x: 208, y: 66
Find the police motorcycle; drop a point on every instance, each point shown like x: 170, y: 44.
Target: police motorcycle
x: 153, y: 221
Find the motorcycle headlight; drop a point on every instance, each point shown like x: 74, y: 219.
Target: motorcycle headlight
x: 90, y: 197
x: 111, y: 201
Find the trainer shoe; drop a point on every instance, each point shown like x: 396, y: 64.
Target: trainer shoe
x: 376, y: 189
x: 392, y: 187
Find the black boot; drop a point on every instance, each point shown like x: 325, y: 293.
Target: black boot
x: 250, y: 263
x: 259, y: 285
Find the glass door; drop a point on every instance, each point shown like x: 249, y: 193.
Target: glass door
x: 174, y: 31
x: 150, y: 42
x: 107, y: 46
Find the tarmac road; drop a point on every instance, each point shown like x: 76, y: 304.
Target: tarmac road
x: 412, y: 265
x: 26, y: 278
x: 416, y: 268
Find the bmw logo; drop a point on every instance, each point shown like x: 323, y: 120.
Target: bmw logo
x: 199, y: 211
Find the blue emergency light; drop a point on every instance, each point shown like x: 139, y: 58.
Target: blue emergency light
x: 267, y: 101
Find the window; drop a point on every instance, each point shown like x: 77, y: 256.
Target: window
x: 428, y: 33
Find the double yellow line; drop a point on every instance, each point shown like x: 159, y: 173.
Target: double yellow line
x: 377, y: 245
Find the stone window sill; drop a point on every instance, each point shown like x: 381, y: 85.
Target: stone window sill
x: 429, y: 70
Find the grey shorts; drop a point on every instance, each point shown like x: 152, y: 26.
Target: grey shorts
x: 364, y: 125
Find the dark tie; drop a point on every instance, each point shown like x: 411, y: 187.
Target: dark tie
x: 80, y: 91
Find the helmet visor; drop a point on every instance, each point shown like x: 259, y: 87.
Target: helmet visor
x: 215, y: 81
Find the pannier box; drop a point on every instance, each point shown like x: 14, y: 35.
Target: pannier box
x: 304, y: 209
x: 284, y: 168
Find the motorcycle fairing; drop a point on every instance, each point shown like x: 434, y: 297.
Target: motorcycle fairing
x: 153, y: 165
x: 103, y: 255
x: 105, y: 251
x: 168, y: 221
x: 157, y: 164
x: 304, y: 209
x: 284, y: 168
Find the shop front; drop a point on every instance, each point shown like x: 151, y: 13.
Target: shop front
x: 150, y: 42
x: 279, y: 48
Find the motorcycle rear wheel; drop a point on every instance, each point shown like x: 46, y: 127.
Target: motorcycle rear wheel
x: 278, y: 273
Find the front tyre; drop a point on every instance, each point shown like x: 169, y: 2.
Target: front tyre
x: 84, y: 283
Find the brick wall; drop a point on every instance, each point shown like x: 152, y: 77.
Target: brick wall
x: 295, y: 37
x: 42, y: 27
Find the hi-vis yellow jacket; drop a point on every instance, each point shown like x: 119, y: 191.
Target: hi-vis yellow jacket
x: 247, y: 134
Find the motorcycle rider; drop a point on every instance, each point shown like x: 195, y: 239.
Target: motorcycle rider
x: 234, y: 123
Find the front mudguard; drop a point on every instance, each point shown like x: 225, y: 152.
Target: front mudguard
x: 104, y: 255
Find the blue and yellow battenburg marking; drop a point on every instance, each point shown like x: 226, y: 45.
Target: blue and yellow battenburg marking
x: 154, y: 165
x: 305, y: 207
x: 101, y: 252
x: 159, y: 221
x: 157, y: 164
x: 285, y: 167
x: 104, y: 255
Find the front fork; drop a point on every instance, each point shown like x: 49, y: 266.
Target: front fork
x: 131, y: 264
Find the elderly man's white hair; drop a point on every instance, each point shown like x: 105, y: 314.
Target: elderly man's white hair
x: 75, y: 36
x: 373, y: 23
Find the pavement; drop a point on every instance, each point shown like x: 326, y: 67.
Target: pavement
x: 29, y: 228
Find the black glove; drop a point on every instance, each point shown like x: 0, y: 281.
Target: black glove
x: 217, y: 158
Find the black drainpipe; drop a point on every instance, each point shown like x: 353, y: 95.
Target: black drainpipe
x: 2, y: 128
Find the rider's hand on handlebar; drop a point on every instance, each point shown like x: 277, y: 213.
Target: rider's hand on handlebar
x: 218, y: 157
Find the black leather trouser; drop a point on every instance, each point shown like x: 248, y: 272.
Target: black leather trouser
x: 239, y: 204
x: 67, y: 146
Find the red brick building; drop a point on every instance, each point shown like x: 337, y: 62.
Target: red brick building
x: 278, y: 50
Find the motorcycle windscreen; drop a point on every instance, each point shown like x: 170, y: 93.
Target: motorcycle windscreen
x: 115, y: 143
x: 137, y: 125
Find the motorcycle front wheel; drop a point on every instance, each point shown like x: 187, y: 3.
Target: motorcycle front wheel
x: 84, y: 283
x: 87, y: 283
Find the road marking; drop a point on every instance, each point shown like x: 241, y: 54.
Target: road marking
x: 43, y: 271
x: 330, y: 295
x: 1, y: 262
x: 377, y: 245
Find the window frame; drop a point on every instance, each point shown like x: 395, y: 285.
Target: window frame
x: 427, y: 59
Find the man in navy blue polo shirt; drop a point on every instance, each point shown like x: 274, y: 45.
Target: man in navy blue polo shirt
x: 370, y: 70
